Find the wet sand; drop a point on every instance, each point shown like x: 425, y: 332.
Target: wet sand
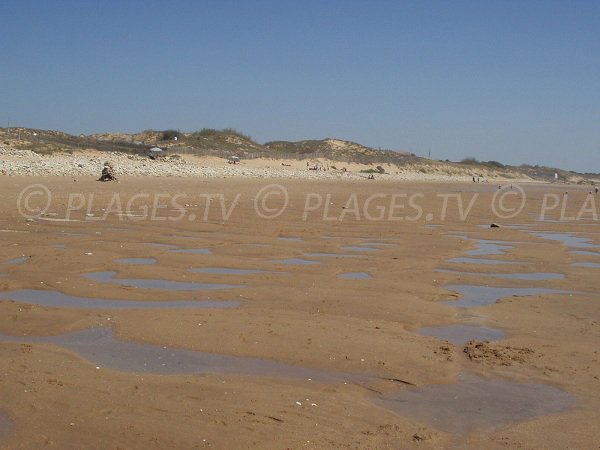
x: 356, y: 338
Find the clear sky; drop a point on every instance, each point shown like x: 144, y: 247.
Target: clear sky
x: 513, y: 81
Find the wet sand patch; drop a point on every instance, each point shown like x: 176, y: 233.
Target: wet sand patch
x: 136, y: 261
x: 461, y: 334
x: 228, y: 271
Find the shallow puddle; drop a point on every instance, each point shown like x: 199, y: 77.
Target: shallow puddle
x: 294, y: 262
x: 378, y: 244
x: 585, y: 252
x: 519, y: 226
x: 570, y: 240
x: 476, y: 403
x: 516, y: 226
x: 168, y: 285
x: 59, y: 300
x: 485, y: 248
x: 465, y: 260
x: 5, y: 425
x: 143, y: 261
x: 531, y: 276
x: 355, y: 276
x: 228, y: 271
x: 473, y: 296
x: 461, y: 334
x: 354, y: 248
x: 593, y: 265
x: 19, y: 260
x: 194, y: 251
x: 98, y: 346
x: 328, y: 255
x: 289, y: 238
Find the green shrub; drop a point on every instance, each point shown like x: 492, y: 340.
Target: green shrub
x: 169, y: 135
x: 211, y: 132
x: 378, y: 169
x: 495, y: 164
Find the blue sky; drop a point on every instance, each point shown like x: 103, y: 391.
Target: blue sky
x: 513, y: 81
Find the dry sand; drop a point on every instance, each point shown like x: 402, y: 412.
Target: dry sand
x: 305, y: 317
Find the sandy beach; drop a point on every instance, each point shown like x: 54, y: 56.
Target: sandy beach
x: 313, y: 297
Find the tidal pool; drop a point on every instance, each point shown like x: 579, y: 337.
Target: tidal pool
x: 5, y: 425
x: 59, y: 300
x: 585, y: 252
x: 295, y: 262
x: 19, y: 260
x: 474, y: 296
x: 168, y: 285
x: 466, y: 260
x: 477, y: 403
x: 356, y: 248
x: 354, y: 276
x: 193, y: 251
x: 98, y: 346
x: 570, y: 240
x: 530, y: 276
x: 484, y: 247
x: 593, y: 265
x: 329, y: 255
